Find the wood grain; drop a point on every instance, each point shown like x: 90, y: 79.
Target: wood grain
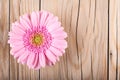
x: 118, y: 44
x: 92, y: 33
x: 114, y: 40
x: 4, y: 47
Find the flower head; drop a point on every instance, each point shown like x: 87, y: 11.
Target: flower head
x: 37, y: 39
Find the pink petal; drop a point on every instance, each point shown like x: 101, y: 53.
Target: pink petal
x: 35, y: 19
x: 42, y: 59
x: 59, y: 35
x: 59, y: 43
x: 55, y: 51
x: 53, y: 26
x: 60, y: 49
x: 23, y: 56
x: 17, y: 24
x: 36, y: 60
x: 16, y: 43
x: 48, y: 62
x: 18, y: 33
x: 44, y: 15
x: 50, y: 56
x: 51, y: 20
x: 31, y: 59
x: 25, y: 21
x: 19, y: 53
x: 12, y: 41
x: 25, y: 60
x: 58, y: 30
x: 17, y: 30
x: 13, y: 35
x: 37, y: 63
x: 15, y: 49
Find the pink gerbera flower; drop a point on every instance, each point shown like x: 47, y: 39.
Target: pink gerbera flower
x: 37, y: 39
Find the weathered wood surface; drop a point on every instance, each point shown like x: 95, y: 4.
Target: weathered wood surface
x: 93, y: 28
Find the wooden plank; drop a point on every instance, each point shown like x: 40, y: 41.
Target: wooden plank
x: 14, y: 15
x: 113, y: 39
x: 85, y: 37
x: 17, y: 8
x: 68, y: 67
x: 92, y: 34
x: 4, y: 48
x: 118, y: 35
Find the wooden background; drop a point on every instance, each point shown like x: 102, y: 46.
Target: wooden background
x: 93, y: 28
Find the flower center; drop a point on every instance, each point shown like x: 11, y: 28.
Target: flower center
x: 37, y: 39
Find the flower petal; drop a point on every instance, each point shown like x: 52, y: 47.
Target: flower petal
x: 35, y: 19
x: 17, y: 29
x: 50, y: 56
x: 23, y: 56
x: 53, y: 26
x: 36, y: 62
x: 25, y: 21
x: 51, y: 20
x: 55, y: 51
x: 14, y: 44
x: 59, y: 43
x: 15, y: 49
x: 48, y: 62
x: 59, y: 35
x: 25, y: 60
x: 43, y: 18
x: 18, y: 24
x: 31, y: 59
x: 42, y: 59
x: 16, y: 36
x: 19, y: 53
x: 58, y: 30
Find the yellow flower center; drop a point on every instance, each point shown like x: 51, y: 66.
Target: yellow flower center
x: 37, y: 39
